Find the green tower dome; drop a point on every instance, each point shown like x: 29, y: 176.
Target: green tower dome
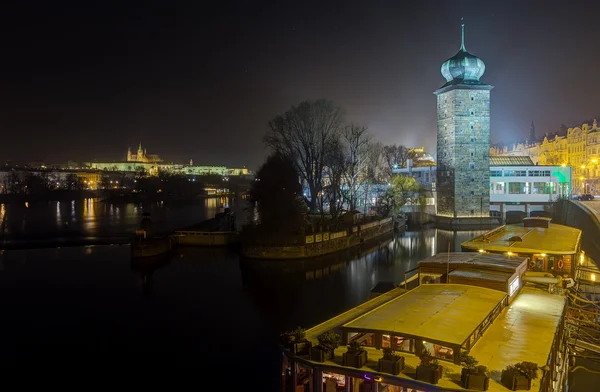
x: 463, y: 67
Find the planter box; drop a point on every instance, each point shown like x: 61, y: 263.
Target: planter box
x: 391, y: 366
x: 356, y: 360
x: 318, y: 354
x: 515, y: 381
x: 474, y: 381
x: 428, y: 374
x: 300, y: 349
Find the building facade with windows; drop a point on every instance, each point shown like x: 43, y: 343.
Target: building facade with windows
x: 578, y: 147
x: 515, y: 184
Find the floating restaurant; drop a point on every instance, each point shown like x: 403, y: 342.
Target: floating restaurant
x: 551, y: 247
x: 417, y: 340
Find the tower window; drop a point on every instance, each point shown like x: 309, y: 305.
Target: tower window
x: 472, y: 98
x: 471, y: 165
x: 472, y: 154
x: 472, y: 113
x: 472, y: 139
x: 472, y: 127
x: 472, y: 212
x: 472, y: 180
x: 472, y: 193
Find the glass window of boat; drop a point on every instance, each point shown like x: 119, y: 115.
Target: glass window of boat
x: 513, y: 286
x: 439, y: 351
x: 333, y: 381
x: 364, y: 338
x: 398, y: 343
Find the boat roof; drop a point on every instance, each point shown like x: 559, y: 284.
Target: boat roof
x: 554, y: 239
x: 524, y: 331
x: 480, y: 274
x: 487, y: 261
x: 440, y: 312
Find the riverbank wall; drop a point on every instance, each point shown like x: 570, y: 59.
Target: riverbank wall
x: 324, y: 243
x: 577, y: 214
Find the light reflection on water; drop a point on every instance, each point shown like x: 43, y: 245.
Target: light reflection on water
x: 342, y: 281
x: 92, y: 218
x: 172, y: 307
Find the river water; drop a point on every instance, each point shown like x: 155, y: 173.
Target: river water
x: 200, y: 306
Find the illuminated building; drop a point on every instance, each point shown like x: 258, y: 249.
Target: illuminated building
x: 150, y: 164
x: 515, y: 184
x: 578, y: 147
x: 463, y: 140
x: 141, y: 156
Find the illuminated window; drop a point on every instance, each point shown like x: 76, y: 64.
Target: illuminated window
x: 514, y: 286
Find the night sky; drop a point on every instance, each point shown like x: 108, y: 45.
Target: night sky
x: 85, y: 80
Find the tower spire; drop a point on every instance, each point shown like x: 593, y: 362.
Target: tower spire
x: 462, y: 37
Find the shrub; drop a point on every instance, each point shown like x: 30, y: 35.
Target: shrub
x: 329, y: 340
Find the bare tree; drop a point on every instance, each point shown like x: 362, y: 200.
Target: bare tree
x: 395, y: 157
x: 356, y: 142
x: 304, y: 133
x: 335, y: 168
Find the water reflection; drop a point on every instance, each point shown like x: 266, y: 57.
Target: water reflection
x: 145, y: 268
x: 93, y: 218
x: 312, y: 290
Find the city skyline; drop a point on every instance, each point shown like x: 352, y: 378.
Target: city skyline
x: 202, y: 83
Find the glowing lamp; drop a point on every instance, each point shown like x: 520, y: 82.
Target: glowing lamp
x: 543, y: 255
x: 564, y: 164
x: 594, y: 160
x: 510, y: 253
x: 593, y: 276
x: 481, y: 251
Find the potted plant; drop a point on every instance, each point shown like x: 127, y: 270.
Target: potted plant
x: 296, y: 342
x: 328, y: 342
x: 473, y: 376
x: 391, y: 363
x: 518, y: 376
x: 356, y: 355
x: 429, y: 370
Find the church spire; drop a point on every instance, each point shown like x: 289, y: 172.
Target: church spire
x: 531, y: 138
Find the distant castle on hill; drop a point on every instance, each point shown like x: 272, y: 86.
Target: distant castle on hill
x: 142, y: 156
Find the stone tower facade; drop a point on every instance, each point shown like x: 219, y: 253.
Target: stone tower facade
x: 463, y: 138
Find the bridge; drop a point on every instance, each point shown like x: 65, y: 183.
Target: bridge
x: 584, y: 215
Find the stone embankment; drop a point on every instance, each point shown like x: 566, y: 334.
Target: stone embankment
x: 322, y: 243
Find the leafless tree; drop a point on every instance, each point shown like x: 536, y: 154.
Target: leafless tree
x: 356, y: 142
x: 395, y: 157
x: 335, y: 169
x: 304, y: 133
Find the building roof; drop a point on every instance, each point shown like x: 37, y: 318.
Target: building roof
x: 510, y: 161
x: 462, y: 260
x: 555, y: 239
x: 523, y: 332
x: 463, y: 68
x: 439, y: 312
x: 480, y: 274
